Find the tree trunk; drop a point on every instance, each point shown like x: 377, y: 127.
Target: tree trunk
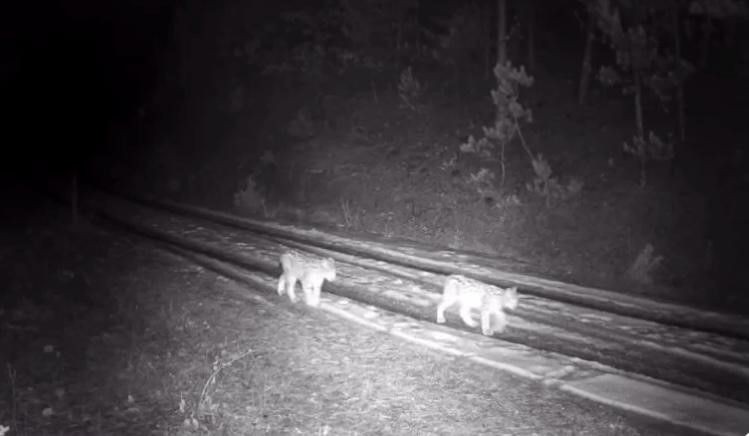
x: 486, y: 29
x: 582, y: 90
x: 707, y: 33
x: 680, y: 109
x: 530, y: 10
x: 641, y: 148
x: 501, y: 31
x: 501, y: 60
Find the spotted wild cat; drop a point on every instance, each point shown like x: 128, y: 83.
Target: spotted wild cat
x: 310, y: 271
x: 473, y: 294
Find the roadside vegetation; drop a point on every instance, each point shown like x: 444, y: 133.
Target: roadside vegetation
x: 601, y: 140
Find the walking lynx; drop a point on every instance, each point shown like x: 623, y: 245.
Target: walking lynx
x: 310, y: 271
x: 473, y: 294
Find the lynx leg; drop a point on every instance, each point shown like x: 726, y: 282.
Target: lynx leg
x: 501, y: 321
x: 465, y: 315
x: 309, y: 294
x: 283, y: 281
x: 486, y: 323
x: 316, y: 291
x: 290, y: 290
x: 449, y: 297
x: 441, y: 313
x: 315, y: 297
x: 447, y: 301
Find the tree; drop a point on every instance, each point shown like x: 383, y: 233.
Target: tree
x: 633, y: 32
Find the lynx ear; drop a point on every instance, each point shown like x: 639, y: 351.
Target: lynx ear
x: 329, y: 261
x: 513, y: 290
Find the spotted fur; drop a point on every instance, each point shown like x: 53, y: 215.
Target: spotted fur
x: 472, y: 294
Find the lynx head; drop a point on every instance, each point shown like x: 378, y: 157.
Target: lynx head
x: 511, y: 298
x: 328, y: 267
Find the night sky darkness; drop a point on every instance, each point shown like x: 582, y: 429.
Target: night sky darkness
x: 71, y: 69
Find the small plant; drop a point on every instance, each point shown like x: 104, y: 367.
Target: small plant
x: 351, y: 219
x: 642, y: 65
x: 482, y: 147
x: 388, y: 232
x: 247, y: 198
x: 549, y: 187
x: 206, y: 408
x: 509, y: 115
x: 483, y: 182
x: 508, y: 201
x: 409, y: 89
x: 510, y: 111
x: 648, y: 149
x: 646, y: 262
x: 250, y: 197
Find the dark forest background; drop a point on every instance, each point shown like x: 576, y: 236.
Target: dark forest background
x: 602, y: 141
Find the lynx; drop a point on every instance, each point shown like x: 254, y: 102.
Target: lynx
x: 473, y: 294
x: 310, y: 271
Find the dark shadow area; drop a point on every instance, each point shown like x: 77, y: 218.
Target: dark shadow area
x: 362, y: 118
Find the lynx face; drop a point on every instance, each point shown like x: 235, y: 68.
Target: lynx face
x: 472, y: 294
x: 309, y: 270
